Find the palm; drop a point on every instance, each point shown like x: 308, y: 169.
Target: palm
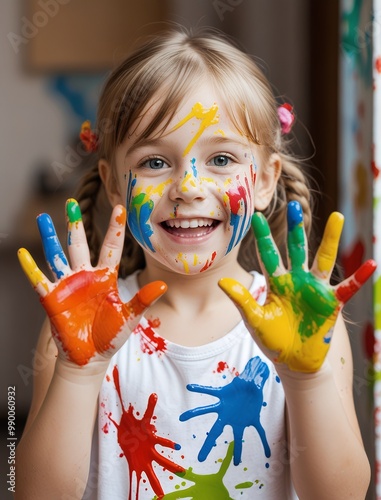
x: 295, y: 325
x: 87, y: 316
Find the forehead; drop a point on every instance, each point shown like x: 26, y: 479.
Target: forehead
x: 160, y: 116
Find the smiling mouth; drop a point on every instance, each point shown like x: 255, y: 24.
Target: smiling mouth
x: 190, y: 228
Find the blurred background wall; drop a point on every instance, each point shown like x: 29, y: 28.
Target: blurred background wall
x: 54, y: 57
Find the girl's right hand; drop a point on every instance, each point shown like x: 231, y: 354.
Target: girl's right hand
x: 89, y: 321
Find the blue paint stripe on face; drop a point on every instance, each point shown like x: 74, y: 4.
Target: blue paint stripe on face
x: 194, y: 168
x: 54, y: 254
x: 294, y: 215
x: 145, y: 229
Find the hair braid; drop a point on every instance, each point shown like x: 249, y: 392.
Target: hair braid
x: 292, y: 186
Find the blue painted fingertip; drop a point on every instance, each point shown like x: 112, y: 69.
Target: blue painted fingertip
x: 54, y: 254
x: 294, y: 215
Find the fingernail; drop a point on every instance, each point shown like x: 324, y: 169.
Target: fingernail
x: 121, y: 217
x: 294, y: 215
x: 73, y: 211
x: 260, y: 226
x: 45, y: 226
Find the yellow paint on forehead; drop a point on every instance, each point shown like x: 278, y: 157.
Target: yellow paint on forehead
x: 207, y: 116
x: 220, y: 131
x: 195, y: 259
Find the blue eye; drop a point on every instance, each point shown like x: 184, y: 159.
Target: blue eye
x: 154, y: 164
x: 220, y: 161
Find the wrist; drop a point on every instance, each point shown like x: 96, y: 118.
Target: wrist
x: 299, y: 380
x: 88, y: 374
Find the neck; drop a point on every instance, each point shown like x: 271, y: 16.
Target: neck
x: 195, y: 291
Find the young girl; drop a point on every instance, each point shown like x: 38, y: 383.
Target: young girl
x: 179, y: 397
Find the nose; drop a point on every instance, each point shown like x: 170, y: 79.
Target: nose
x: 188, y: 186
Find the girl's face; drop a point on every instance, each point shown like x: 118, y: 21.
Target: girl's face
x: 190, y: 192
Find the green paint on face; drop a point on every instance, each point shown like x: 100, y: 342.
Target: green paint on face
x: 266, y: 247
x: 73, y: 211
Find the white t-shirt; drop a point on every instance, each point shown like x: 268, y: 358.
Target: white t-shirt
x: 203, y: 423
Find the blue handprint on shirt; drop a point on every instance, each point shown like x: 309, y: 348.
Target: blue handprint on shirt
x: 239, y: 406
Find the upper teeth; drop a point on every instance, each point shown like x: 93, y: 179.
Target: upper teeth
x: 186, y: 223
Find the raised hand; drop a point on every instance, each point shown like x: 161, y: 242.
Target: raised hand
x: 295, y: 325
x: 89, y: 321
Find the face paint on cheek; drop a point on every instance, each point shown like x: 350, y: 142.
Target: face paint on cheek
x: 239, y: 199
x: 139, y: 212
x: 140, y: 207
x: 209, y: 262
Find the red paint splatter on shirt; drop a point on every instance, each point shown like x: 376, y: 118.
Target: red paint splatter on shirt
x: 150, y: 341
x: 137, y: 438
x: 222, y: 365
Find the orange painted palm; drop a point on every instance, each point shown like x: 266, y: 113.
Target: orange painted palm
x: 295, y: 325
x: 89, y: 321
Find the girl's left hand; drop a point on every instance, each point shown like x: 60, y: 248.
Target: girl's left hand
x: 295, y: 325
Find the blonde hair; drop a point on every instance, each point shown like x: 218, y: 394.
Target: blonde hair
x: 164, y: 70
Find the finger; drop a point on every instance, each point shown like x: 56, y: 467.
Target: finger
x: 54, y: 254
x: 267, y: 249
x: 326, y: 255
x: 242, y: 298
x: 76, y: 239
x: 296, y: 238
x: 351, y: 285
x: 146, y: 296
x: 112, y: 247
x: 36, y: 277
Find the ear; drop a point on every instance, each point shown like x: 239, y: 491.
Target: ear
x: 266, y: 181
x: 110, y: 183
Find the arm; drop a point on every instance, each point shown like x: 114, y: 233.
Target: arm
x: 322, y: 423
x: 88, y: 323
x: 301, y: 329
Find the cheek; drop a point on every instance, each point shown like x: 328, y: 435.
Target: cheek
x: 239, y: 198
x: 139, y: 208
x: 142, y: 197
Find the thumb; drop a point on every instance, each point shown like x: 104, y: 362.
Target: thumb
x: 146, y: 296
x: 251, y: 311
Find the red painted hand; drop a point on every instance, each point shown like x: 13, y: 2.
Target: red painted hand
x: 89, y: 321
